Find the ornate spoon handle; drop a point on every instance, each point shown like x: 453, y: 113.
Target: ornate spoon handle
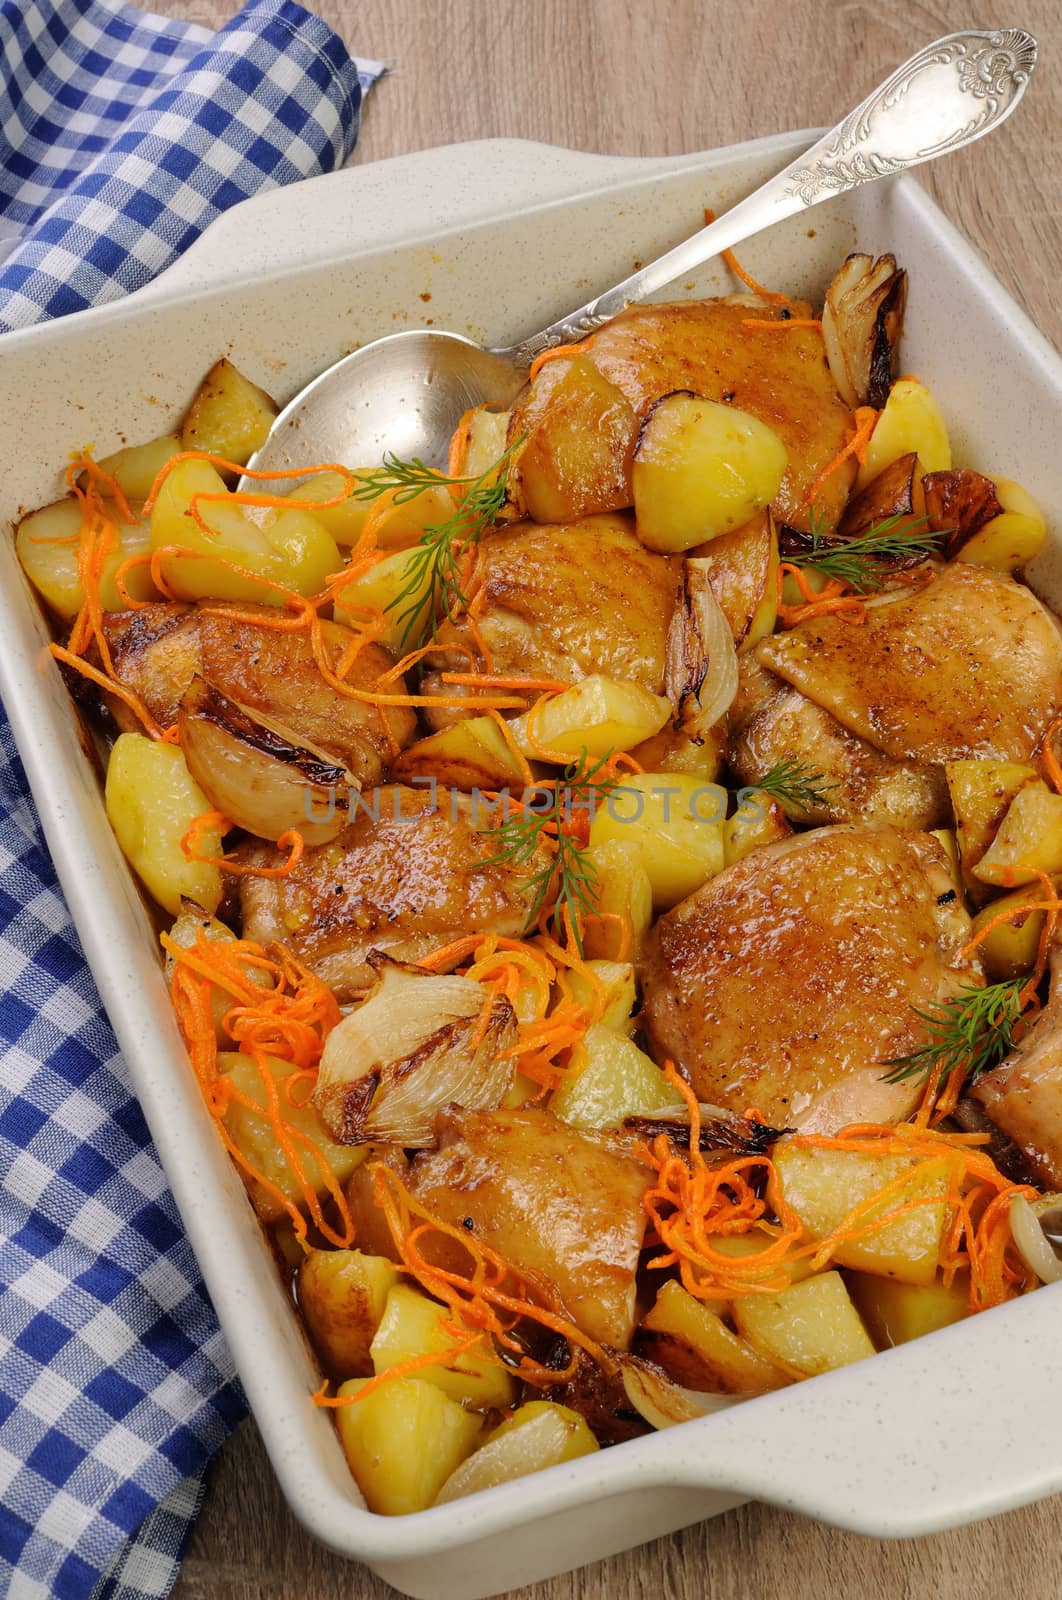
x: 947, y: 95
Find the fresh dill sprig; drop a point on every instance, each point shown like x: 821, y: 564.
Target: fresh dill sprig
x: 431, y: 586
x: 858, y: 562
x: 795, y: 783
x: 570, y: 868
x: 973, y: 1030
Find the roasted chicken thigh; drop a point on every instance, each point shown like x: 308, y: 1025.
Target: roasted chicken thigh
x: 789, y: 979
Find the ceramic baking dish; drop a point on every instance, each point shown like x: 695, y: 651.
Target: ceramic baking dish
x: 960, y: 1425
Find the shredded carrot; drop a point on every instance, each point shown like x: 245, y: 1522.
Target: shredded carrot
x: 865, y: 419
x: 739, y: 271
x: 207, y: 821
x: 558, y: 350
x: 493, y: 680
x: 835, y: 599
x: 401, y: 1369
x: 693, y: 1201
x: 281, y: 1010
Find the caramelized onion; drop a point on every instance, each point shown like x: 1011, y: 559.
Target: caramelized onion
x: 662, y: 1403
x: 1030, y: 1238
x: 416, y: 1044
x: 862, y: 320
x: 700, y: 665
x: 259, y: 777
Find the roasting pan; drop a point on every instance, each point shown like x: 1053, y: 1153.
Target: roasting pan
x: 959, y: 1425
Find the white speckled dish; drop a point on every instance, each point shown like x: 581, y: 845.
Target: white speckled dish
x: 495, y: 239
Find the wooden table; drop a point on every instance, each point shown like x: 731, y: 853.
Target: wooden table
x: 651, y: 77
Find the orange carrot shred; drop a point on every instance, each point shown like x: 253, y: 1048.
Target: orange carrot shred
x: 865, y: 422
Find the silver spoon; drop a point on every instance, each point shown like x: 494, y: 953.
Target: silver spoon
x: 407, y: 392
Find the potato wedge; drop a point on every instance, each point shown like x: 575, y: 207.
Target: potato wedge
x: 47, y: 543
x: 342, y: 1296
x: 617, y: 990
x: 758, y: 820
x: 580, y: 431
x: 411, y: 1326
x: 696, y: 1348
x: 1028, y: 839
x: 251, y: 1130
x: 809, y: 1328
x: 152, y: 800
x: 824, y: 1186
x: 192, y: 921
x: 622, y: 894
x: 598, y: 716
x: 468, y: 755
x: 742, y: 569
x: 136, y: 466
x: 676, y: 822
x: 981, y: 793
x: 895, y: 1313
x: 229, y: 416
x: 1010, y: 949
x: 539, y: 1434
x: 608, y: 1079
x: 911, y: 421
x: 291, y: 548
x: 674, y: 751
x: 400, y: 587
x: 700, y: 470
x: 478, y: 442
x: 1013, y: 538
x: 403, y: 1441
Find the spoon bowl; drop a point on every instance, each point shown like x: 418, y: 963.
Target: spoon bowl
x: 407, y: 392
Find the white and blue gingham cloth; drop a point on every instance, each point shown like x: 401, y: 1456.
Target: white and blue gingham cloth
x: 122, y: 136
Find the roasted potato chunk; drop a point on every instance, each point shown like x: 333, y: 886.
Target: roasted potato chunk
x: 810, y: 1327
x: 343, y: 1295
x: 576, y: 458
x: 540, y: 1434
x: 152, y: 800
x: 403, y: 1441
x: 701, y: 469
x: 230, y: 416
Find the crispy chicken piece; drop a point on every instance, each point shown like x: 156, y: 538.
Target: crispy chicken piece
x: 785, y: 982
x: 864, y: 785
x: 708, y: 347
x: 159, y: 649
x: 156, y: 652
x: 405, y: 877
x: 969, y: 665
x: 553, y: 1201
x: 567, y: 601
x: 1023, y: 1095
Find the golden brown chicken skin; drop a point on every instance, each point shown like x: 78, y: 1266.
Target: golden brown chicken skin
x: 968, y: 665
x: 553, y: 1201
x: 567, y: 601
x: 857, y: 783
x: 402, y: 877
x: 158, y: 650
x: 1023, y: 1096
x: 785, y: 982
x: 708, y: 347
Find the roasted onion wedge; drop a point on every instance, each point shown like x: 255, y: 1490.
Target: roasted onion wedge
x: 262, y: 781
x: 701, y: 669
x: 663, y: 1403
x: 862, y: 320
x: 417, y: 1043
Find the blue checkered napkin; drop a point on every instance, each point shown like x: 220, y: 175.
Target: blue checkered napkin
x: 123, y: 135
x: 115, y: 1383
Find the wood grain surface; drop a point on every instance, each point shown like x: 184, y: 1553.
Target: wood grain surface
x: 652, y: 77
